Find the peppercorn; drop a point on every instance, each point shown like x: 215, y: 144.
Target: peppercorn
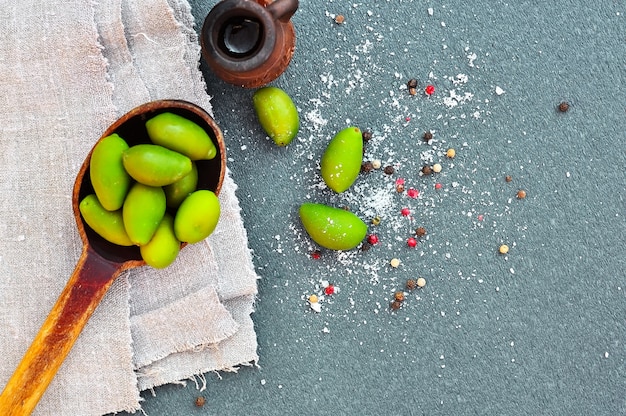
x: 376, y: 164
x: 365, y: 246
x: 427, y: 170
x: 437, y: 168
x: 389, y: 169
x: 521, y: 194
x: 412, y: 83
x: 367, y: 166
x: 508, y: 178
x: 420, y: 231
x: 399, y: 296
x: 421, y: 282
x: 400, y: 187
x: 200, y: 401
x: 339, y: 19
x: 563, y: 107
x: 395, y: 305
x: 413, y: 91
x: 451, y: 153
x: 411, y: 284
x: 428, y: 136
x: 329, y: 290
x: 366, y: 135
x: 317, y: 254
x: 503, y: 249
x: 394, y: 263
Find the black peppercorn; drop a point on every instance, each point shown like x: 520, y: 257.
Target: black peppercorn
x: 411, y: 284
x: 389, y: 170
x: 366, y: 135
x: 563, y: 107
x: 395, y: 305
x: 427, y: 170
x: 428, y: 136
x: 420, y: 231
x: 200, y: 401
x: 367, y: 166
x: 412, y: 83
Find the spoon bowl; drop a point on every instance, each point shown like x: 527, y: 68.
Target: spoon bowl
x: 131, y: 127
x: 100, y: 262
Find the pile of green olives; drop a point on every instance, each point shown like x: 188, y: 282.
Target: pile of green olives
x: 147, y: 194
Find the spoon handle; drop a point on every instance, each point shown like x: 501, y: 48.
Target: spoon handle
x: 90, y: 280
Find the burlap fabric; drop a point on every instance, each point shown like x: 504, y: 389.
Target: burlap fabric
x: 68, y: 69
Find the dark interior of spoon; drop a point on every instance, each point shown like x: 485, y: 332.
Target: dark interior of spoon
x: 132, y: 128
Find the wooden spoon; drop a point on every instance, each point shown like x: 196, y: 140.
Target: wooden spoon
x: 99, y: 264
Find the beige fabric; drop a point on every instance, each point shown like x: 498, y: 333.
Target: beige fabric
x: 67, y: 70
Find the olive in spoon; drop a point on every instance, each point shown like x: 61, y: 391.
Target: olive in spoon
x: 100, y: 262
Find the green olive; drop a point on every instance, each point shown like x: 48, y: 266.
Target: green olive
x: 109, y: 179
x: 341, y: 161
x: 143, y: 210
x: 277, y: 114
x: 162, y: 249
x: 155, y: 165
x: 107, y: 224
x: 176, y: 192
x: 181, y: 135
x: 197, y: 216
x: 333, y: 228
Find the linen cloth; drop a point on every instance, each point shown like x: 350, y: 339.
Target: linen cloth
x: 68, y: 69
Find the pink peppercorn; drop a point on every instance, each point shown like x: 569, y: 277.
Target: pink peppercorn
x: 411, y: 242
x: 329, y: 290
x: 405, y: 212
x: 372, y: 239
x: 437, y: 185
x: 429, y: 90
x: 400, y: 181
x: 412, y: 193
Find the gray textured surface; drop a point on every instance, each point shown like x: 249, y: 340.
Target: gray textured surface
x: 540, y: 331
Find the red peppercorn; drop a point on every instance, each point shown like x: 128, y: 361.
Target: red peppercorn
x: 372, y: 239
x: 316, y: 255
x: 411, y: 242
x: 429, y: 90
x: 329, y: 290
x: 412, y: 193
